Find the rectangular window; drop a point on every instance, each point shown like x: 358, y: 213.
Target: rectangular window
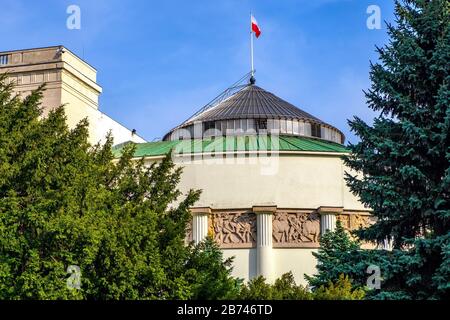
x: 315, y: 130
x: 301, y: 128
x: 261, y: 124
x: 307, y: 129
x: 283, y: 126
x: 325, y: 133
x: 295, y: 127
x: 208, y: 128
x: 237, y: 124
x: 244, y: 125
x: 289, y: 126
x: 3, y: 59
x: 276, y: 125
x: 208, y: 125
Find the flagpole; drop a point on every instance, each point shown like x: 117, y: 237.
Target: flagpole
x: 251, y: 45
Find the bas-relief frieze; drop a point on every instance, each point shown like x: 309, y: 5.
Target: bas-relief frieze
x: 355, y: 221
x: 296, y: 229
x: 290, y: 228
x: 234, y: 229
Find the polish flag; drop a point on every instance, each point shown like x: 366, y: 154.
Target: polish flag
x: 255, y: 27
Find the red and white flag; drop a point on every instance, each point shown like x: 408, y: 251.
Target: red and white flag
x: 255, y: 27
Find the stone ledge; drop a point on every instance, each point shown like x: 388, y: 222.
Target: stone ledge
x: 330, y: 210
x: 264, y: 209
x: 200, y: 210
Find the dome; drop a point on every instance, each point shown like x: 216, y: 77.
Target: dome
x: 253, y: 110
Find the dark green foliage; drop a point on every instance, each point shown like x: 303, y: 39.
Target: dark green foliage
x: 341, y: 290
x: 285, y: 288
x: 338, y: 254
x: 63, y: 202
x: 404, y: 157
x: 210, y: 275
x: 256, y: 289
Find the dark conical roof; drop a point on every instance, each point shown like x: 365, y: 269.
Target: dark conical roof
x: 254, y: 102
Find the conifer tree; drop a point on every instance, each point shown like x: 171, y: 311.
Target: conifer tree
x: 403, y: 159
x: 336, y: 256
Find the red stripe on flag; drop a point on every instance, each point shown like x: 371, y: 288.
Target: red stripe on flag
x: 256, y: 30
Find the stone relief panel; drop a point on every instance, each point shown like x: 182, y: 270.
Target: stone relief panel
x: 296, y: 229
x: 354, y: 221
x: 234, y: 229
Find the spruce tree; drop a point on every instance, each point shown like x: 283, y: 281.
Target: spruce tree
x: 336, y: 256
x: 403, y: 158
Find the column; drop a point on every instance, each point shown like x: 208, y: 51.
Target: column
x: 264, y: 258
x: 388, y: 244
x: 328, y: 218
x: 200, y: 223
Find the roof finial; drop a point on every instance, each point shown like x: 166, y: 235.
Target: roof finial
x: 252, y: 80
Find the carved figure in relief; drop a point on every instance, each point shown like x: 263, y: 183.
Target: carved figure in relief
x: 245, y: 232
x: 358, y: 221
x: 295, y: 227
x: 352, y: 222
x: 218, y: 227
x: 229, y: 230
x: 234, y: 228
x: 281, y: 228
x: 311, y: 228
x: 345, y: 221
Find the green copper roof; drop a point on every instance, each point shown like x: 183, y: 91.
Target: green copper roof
x: 235, y: 143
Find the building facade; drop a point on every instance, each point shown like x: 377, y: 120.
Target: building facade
x: 272, y: 181
x: 70, y: 81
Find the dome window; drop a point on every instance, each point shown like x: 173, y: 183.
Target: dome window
x: 261, y: 124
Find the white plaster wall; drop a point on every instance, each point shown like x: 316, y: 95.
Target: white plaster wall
x: 299, y: 261
x: 79, y: 66
x: 78, y: 107
x: 244, y: 264
x: 120, y: 133
x: 288, y: 181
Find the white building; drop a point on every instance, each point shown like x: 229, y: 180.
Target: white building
x: 70, y: 81
x: 272, y: 180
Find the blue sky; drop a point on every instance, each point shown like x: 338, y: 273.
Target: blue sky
x: 160, y: 61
